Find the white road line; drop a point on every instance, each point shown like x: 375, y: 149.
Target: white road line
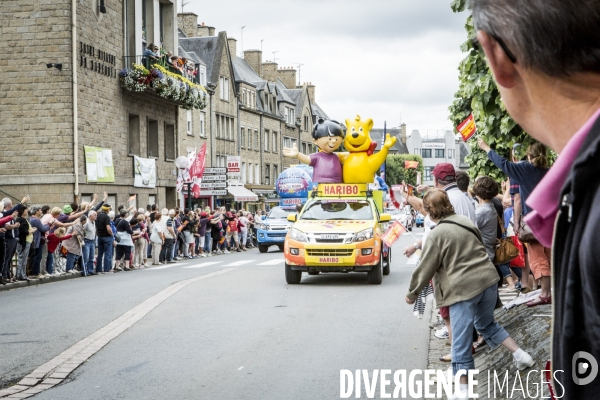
x: 204, y: 264
x: 238, y: 263
x: 56, y: 370
x: 240, y: 368
x: 164, y: 267
x: 273, y: 262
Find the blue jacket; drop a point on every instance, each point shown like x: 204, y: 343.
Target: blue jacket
x: 41, y: 230
x: 523, y: 172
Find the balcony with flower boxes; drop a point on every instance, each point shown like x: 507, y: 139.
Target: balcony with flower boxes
x: 157, y: 77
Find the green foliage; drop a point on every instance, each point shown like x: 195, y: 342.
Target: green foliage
x: 478, y: 93
x: 395, y: 172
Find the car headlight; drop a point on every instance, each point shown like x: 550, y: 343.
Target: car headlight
x: 363, y: 235
x: 263, y: 227
x: 298, y: 236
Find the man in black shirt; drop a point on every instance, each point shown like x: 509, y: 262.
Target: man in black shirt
x: 105, y: 241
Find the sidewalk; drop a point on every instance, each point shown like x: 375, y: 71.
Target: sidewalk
x: 530, y: 327
x: 40, y: 281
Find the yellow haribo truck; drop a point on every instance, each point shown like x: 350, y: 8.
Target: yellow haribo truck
x: 338, y: 230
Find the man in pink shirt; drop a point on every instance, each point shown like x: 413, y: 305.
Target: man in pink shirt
x: 545, y: 57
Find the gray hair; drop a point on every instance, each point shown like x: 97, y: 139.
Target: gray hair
x: 559, y: 38
x: 6, y: 202
x: 34, y: 210
x: 92, y: 213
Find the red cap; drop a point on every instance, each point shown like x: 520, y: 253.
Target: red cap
x: 443, y: 171
x: 203, y: 214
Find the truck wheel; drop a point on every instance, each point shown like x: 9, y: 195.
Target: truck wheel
x: 313, y: 272
x: 292, y: 277
x: 263, y: 248
x: 280, y: 247
x: 375, y: 276
x: 388, y: 262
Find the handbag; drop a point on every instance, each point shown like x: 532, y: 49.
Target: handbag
x: 519, y: 261
x: 525, y: 233
x: 506, y: 251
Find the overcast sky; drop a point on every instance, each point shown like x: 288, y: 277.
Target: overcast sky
x: 390, y: 60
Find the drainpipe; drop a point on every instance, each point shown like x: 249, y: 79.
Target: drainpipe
x: 239, y: 129
x: 260, y: 146
x: 211, y: 92
x: 74, y: 85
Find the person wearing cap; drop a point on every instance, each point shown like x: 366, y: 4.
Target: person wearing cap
x: 105, y: 240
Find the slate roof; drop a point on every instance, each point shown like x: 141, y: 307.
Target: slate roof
x: 397, y: 148
x: 244, y: 73
x: 317, y: 111
x: 204, y: 48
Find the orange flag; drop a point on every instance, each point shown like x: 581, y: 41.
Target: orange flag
x: 411, y: 164
x: 467, y: 128
x: 393, y: 233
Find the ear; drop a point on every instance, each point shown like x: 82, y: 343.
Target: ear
x: 348, y: 123
x: 504, y: 70
x: 369, y: 124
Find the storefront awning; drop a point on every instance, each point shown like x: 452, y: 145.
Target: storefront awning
x: 240, y: 193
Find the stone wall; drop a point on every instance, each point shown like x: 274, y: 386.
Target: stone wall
x: 188, y: 23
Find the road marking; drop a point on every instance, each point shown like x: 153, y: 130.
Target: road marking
x: 273, y: 262
x: 204, y: 264
x: 240, y: 368
x: 56, y: 370
x: 164, y: 266
x: 238, y: 263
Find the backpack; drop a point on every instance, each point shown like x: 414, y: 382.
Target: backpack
x: 114, y: 231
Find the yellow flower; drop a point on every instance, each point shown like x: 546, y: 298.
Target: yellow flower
x: 141, y: 69
x: 178, y: 77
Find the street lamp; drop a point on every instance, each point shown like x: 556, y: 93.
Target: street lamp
x: 182, y: 162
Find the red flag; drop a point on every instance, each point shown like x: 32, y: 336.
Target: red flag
x: 393, y: 233
x: 411, y: 164
x: 467, y: 128
x: 197, y: 166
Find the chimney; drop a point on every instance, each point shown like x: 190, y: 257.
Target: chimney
x: 403, y: 133
x: 310, y: 88
x: 187, y: 22
x: 204, y: 30
x: 254, y: 59
x: 232, y: 43
x: 269, y: 71
x: 288, y: 77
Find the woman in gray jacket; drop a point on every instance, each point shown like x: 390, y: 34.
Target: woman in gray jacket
x: 465, y: 280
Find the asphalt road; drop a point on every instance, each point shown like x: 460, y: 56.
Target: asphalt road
x: 243, y: 334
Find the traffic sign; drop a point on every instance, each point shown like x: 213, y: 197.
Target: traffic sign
x: 214, y: 171
x: 213, y: 193
x: 213, y: 178
x: 213, y: 185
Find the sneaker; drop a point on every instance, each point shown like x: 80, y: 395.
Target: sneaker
x: 239, y: 251
x: 210, y: 255
x: 220, y: 252
x: 226, y: 252
x: 203, y: 255
x: 525, y: 362
x: 126, y: 269
x: 442, y: 333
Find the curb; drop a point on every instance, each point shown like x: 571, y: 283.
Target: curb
x: 36, y: 282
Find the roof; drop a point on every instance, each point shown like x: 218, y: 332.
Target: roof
x: 194, y: 57
x: 397, y: 148
x: 204, y: 48
x: 318, y: 111
x: 243, y: 72
x: 282, y: 94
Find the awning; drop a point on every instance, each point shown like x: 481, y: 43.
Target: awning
x: 240, y: 193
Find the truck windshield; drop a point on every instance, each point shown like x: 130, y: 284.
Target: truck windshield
x: 279, y: 213
x: 338, y: 210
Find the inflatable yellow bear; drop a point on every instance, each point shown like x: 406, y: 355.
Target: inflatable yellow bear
x: 359, y: 165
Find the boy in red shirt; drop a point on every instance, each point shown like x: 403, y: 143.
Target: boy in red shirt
x: 53, y: 240
x: 232, y: 231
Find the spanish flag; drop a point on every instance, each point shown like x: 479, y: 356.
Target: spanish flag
x: 411, y: 164
x: 467, y: 128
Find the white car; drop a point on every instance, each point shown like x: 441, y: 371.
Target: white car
x: 400, y: 215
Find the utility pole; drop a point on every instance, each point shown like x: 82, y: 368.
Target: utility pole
x: 183, y: 4
x: 299, y: 65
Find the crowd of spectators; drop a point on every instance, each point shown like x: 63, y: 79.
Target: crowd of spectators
x: 92, y: 238
x: 178, y: 65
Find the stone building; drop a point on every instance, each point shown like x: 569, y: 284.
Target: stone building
x: 266, y: 109
x: 61, y: 92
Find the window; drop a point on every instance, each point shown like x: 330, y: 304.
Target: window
x: 267, y: 174
x: 256, y: 140
x: 426, y: 153
x: 87, y: 198
x: 230, y: 128
x: 170, y: 140
x: 202, y: 74
x: 450, y: 153
x: 257, y: 174
x: 266, y: 141
x: 242, y: 137
x: 275, y: 173
x: 304, y: 148
x: 249, y: 138
x: 244, y: 97
x: 275, y: 148
x: 439, y: 153
x: 253, y: 100
x: 202, y: 123
x: 306, y: 127
x: 152, y: 139
x: 428, y: 176
x: 287, y: 142
x: 224, y: 88
x: 151, y: 199
x: 243, y: 172
x: 416, y: 151
x: 292, y: 116
x: 189, y: 122
x: 112, y: 200
x: 134, y: 134
x: 250, y: 173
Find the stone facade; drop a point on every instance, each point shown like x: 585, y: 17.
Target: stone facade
x: 37, y: 104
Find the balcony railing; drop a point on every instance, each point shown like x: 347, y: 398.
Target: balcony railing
x: 147, y: 62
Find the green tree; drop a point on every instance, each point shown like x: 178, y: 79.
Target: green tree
x: 478, y: 93
x: 395, y: 172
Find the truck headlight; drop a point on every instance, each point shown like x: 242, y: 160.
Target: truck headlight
x: 298, y: 236
x: 263, y: 227
x: 363, y: 235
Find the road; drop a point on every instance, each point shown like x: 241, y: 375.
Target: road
x: 237, y: 332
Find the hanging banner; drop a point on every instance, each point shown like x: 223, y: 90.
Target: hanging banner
x: 144, y: 172
x: 99, y: 164
x: 467, y: 128
x: 233, y: 166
